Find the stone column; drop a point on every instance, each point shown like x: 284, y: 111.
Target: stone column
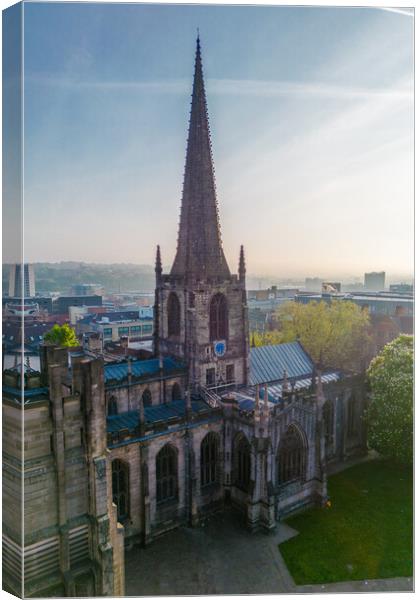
x: 320, y: 442
x: 56, y: 399
x: 145, y: 494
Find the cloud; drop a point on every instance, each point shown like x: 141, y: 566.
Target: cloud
x: 177, y: 86
x: 285, y: 88
x: 345, y: 178
x: 240, y: 87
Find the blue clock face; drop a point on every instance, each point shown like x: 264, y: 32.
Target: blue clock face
x: 219, y: 348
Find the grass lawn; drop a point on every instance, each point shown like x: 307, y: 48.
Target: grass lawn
x: 366, y: 534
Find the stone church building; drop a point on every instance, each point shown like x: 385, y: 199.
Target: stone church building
x: 121, y: 453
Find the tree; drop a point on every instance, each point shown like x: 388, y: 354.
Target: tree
x: 334, y: 334
x: 265, y: 338
x: 390, y: 411
x: 62, y: 335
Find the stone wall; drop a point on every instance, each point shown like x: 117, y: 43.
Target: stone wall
x: 67, y: 516
x: 194, y: 344
x: 128, y: 396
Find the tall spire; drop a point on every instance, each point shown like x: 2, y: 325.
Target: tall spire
x: 242, y: 269
x: 199, y: 253
x: 158, y: 264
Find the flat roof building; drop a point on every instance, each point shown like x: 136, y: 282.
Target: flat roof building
x: 375, y: 282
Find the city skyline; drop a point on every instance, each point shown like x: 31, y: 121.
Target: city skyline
x: 306, y: 106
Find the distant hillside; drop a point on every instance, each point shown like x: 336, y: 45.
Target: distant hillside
x: 59, y: 277
x: 116, y: 277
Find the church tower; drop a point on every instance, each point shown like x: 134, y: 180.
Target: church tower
x: 200, y: 308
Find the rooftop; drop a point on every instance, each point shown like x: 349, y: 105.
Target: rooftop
x: 155, y: 414
x: 121, y: 316
x: 118, y: 372
x: 268, y: 363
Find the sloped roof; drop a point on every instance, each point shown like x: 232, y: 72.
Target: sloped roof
x: 268, y: 363
x: 139, y: 368
x: 153, y: 414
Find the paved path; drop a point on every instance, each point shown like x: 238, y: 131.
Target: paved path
x: 396, y: 584
x: 220, y: 558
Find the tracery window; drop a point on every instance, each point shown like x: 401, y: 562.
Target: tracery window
x: 166, y: 474
x: 242, y: 462
x: 176, y: 392
x: 218, y: 318
x: 291, y: 458
x: 147, y: 397
x: 208, y: 459
x: 120, y: 487
x: 112, y: 406
x: 174, y: 315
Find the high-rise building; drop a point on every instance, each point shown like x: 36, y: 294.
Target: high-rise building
x: 375, y: 281
x: 19, y: 278
x: 313, y: 284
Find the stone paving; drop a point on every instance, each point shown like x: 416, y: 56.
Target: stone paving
x: 396, y: 584
x: 222, y: 557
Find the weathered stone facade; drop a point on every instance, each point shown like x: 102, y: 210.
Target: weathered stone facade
x: 125, y: 452
x: 72, y: 543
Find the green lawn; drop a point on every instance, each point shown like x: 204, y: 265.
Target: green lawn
x: 366, y: 534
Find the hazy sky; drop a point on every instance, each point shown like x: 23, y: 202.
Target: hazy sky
x: 311, y: 114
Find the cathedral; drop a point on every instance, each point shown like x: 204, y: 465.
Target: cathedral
x: 118, y: 454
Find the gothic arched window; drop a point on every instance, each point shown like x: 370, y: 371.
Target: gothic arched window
x: 242, y: 462
x: 147, y: 397
x: 174, y: 315
x: 112, y: 406
x: 166, y: 474
x: 218, y: 318
x: 328, y: 412
x: 291, y: 458
x: 120, y: 489
x: 208, y: 458
x: 176, y: 392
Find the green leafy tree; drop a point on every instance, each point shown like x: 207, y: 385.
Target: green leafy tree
x: 334, y: 334
x: 390, y: 411
x: 62, y: 335
x: 265, y: 338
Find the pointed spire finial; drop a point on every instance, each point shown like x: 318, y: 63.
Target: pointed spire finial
x: 285, y: 384
x: 242, y: 269
x: 257, y: 403
x: 158, y: 263
x: 188, y: 404
x: 266, y: 409
x: 319, y: 387
x: 141, y: 413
